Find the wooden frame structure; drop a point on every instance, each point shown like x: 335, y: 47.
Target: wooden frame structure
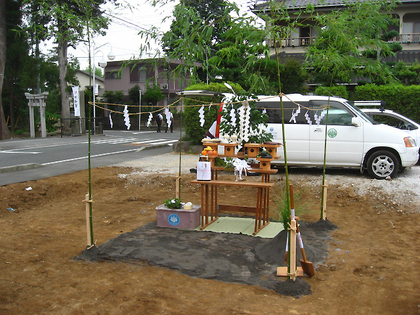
x: 210, y: 208
x: 209, y: 189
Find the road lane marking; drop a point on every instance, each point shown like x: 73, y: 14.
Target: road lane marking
x: 102, y: 154
x: 85, y: 157
x: 14, y: 152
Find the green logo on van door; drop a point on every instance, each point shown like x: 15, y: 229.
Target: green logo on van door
x: 332, y: 133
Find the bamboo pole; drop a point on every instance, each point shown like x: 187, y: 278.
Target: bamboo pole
x: 323, y: 193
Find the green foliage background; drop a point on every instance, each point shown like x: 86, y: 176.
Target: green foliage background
x: 400, y: 98
x: 336, y: 90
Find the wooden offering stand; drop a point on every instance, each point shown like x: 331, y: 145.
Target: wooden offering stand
x: 212, y: 144
x: 252, y: 149
x: 209, y: 189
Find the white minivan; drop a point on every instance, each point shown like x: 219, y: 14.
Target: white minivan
x: 391, y: 118
x: 353, y: 139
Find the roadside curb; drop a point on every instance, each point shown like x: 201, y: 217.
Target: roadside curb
x: 154, y: 146
x: 22, y: 167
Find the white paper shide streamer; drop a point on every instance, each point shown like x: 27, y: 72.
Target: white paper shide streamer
x: 168, y: 118
x: 319, y: 118
x: 244, y: 113
x: 126, y: 117
x: 247, y: 120
x: 295, y: 114
x: 149, y: 121
x: 233, y: 116
x: 308, y: 119
x: 201, y: 116
x: 110, y: 120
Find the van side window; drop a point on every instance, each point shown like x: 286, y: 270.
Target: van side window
x: 273, y: 110
x: 338, y: 114
x: 392, y: 121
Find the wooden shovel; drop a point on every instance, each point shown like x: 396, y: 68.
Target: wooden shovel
x: 307, y: 266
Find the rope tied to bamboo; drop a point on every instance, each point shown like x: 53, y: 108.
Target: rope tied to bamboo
x: 290, y: 228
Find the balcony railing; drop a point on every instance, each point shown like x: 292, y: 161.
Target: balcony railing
x: 407, y: 38
x: 294, y: 42
x: 307, y: 41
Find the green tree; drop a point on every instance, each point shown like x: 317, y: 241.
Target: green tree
x: 14, y: 80
x: 153, y: 94
x: 204, y: 12
x: 69, y: 22
x: 195, y: 30
x: 232, y: 45
x: 408, y: 74
x: 339, y: 52
x: 293, y: 76
x: 134, y: 94
x: 114, y: 97
x: 4, y: 18
x: 242, y: 39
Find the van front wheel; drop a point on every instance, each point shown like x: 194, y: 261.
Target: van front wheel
x: 383, y: 164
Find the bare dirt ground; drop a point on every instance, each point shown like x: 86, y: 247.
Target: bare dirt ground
x: 372, y: 266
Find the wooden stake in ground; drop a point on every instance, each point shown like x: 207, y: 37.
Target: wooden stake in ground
x: 292, y: 271
x: 324, y: 200
x: 177, y: 186
x: 88, y: 227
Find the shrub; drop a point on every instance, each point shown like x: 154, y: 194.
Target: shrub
x: 400, y: 98
x: 336, y: 90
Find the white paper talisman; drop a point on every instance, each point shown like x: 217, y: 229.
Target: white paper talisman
x: 203, y: 171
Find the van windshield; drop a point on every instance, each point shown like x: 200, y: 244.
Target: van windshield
x: 362, y: 114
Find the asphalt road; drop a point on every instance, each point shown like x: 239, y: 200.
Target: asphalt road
x: 32, y: 159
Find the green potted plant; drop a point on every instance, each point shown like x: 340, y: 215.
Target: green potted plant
x: 174, y: 203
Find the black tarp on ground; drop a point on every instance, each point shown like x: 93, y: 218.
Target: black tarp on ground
x: 218, y: 256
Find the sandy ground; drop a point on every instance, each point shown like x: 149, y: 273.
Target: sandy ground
x: 372, y: 265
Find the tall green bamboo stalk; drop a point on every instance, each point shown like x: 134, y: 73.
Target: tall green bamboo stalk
x: 325, y: 161
x: 89, y: 164
x: 286, y: 169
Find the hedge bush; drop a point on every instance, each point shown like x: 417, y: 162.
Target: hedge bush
x: 399, y: 98
x: 336, y: 90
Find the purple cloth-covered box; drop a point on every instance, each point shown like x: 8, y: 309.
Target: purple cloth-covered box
x: 178, y: 218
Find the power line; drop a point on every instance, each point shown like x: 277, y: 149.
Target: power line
x: 127, y: 22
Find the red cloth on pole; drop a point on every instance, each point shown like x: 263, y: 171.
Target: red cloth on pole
x: 219, y: 118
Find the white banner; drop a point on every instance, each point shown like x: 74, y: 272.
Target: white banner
x: 76, y: 102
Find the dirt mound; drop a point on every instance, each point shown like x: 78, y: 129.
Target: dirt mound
x: 370, y: 266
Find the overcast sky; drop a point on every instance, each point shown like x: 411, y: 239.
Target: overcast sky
x: 122, y: 34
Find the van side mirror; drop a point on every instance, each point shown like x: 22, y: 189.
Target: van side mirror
x: 355, y: 121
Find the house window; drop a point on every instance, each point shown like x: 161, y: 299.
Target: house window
x: 138, y: 74
x: 111, y: 75
x: 142, y: 74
